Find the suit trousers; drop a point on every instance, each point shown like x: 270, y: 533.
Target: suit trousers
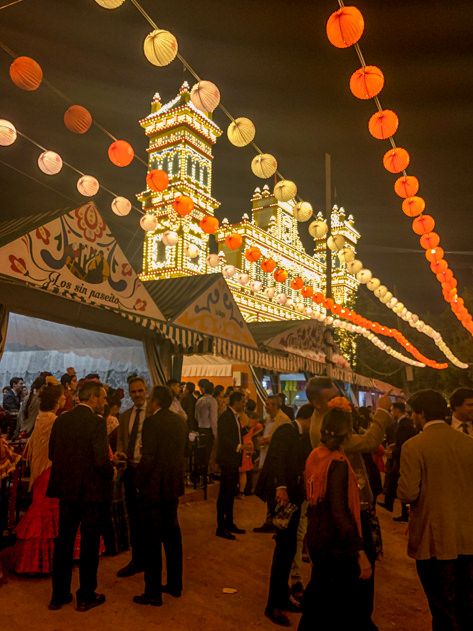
x: 90, y: 516
x: 131, y: 501
x: 284, y: 552
x: 229, y: 478
x: 448, y: 586
x: 161, y: 527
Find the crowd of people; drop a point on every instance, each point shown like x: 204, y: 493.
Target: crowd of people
x: 97, y: 475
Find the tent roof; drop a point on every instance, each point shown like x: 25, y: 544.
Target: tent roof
x: 173, y: 295
x: 15, y: 228
x: 263, y: 332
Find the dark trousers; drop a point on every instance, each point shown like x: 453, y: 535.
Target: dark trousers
x: 390, y: 483
x: 284, y: 552
x: 206, y: 441
x: 90, y: 517
x: 229, y: 479
x: 161, y: 526
x: 131, y: 499
x: 448, y: 586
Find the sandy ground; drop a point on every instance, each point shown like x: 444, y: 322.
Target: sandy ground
x: 211, y: 564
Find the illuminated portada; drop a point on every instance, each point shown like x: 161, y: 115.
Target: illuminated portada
x: 181, y: 138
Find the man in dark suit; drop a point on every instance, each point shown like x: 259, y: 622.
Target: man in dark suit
x: 280, y: 482
x: 229, y: 458
x: 129, y: 448
x: 81, y: 478
x: 160, y: 483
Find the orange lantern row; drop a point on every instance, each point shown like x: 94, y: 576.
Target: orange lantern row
x: 253, y: 254
x: 345, y: 27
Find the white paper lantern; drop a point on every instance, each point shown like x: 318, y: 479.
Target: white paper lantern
x: 192, y: 251
x: 398, y: 308
x: 373, y: 284
x: 50, y: 162
x: 386, y: 298
x: 213, y: 260
x: 88, y: 186
x: 160, y: 47
x: 264, y: 165
x: 415, y: 319
x: 285, y: 190
x: 392, y: 303
x: 269, y: 292
x: 281, y: 298
x: 364, y: 276
x: 121, y: 206
x: 205, y: 96
x: 243, y: 279
x: 328, y: 320
x: 318, y: 229
x: 300, y: 307
x: 354, y: 266
x: 241, y: 132
x: 336, y: 242
x: 7, y: 133
x: 346, y: 255
x: 309, y: 312
x: 381, y: 291
x: 256, y: 286
x: 290, y: 303
x: 149, y: 222
x: 228, y: 271
x: 302, y: 211
x: 170, y: 238
x: 110, y: 4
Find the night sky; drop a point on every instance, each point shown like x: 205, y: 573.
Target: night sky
x: 274, y: 64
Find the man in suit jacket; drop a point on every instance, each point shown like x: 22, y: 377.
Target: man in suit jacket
x: 129, y: 448
x: 160, y: 483
x: 436, y: 480
x: 229, y: 458
x: 81, y: 477
x: 280, y: 482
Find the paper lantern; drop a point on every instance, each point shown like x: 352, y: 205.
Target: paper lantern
x: 110, y: 4
x: 302, y: 211
x: 213, y: 260
x: 336, y: 242
x: 183, y: 205
x: 149, y: 222
x: 256, y: 286
x: 413, y: 206
x: 269, y: 292
x: 205, y: 96
x: 26, y: 73
x: 396, y: 160
x: 346, y: 255
x: 282, y: 299
x: 364, y: 276
x: 423, y: 224
x: 438, y: 266
x: 268, y: 265
x: 300, y: 307
x: 233, y: 241
x: 243, y: 279
x: 209, y: 224
x: 345, y: 27
x: 445, y: 276
x: 297, y: 283
x: 50, y: 162
x: 280, y: 275
x: 228, y: 271
x: 406, y: 186
x: 7, y: 133
x: 121, y: 206
x: 307, y: 291
x: 121, y: 153
x: 429, y: 240
x: 353, y: 267
x: 373, y: 284
x: 380, y: 291
x: 192, y: 251
x: 241, y: 132
x: 318, y: 229
x: 252, y: 254
x: 383, y: 124
x: 318, y: 298
x: 264, y: 165
x: 170, y: 238
x: 285, y: 190
x: 157, y: 180
x: 88, y: 185
x: 450, y: 284
x: 160, y: 47
x: 77, y: 119
x: 434, y: 255
x: 367, y: 82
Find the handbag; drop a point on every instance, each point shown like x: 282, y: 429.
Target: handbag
x: 282, y: 515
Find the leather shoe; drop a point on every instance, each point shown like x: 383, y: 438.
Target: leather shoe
x: 401, y: 518
x: 56, y: 603
x: 225, y: 534
x: 95, y: 601
x: 173, y: 592
x: 129, y: 570
x: 385, y: 506
x: 236, y: 530
x: 146, y: 600
x: 293, y: 606
x: 297, y: 591
x: 277, y: 616
x: 265, y: 528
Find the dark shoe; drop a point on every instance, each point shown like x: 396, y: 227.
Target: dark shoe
x: 265, y: 528
x: 297, y: 591
x: 129, y: 570
x: 146, y: 600
x: 401, y: 518
x: 85, y: 605
x: 293, y: 606
x: 277, y: 616
x: 56, y: 603
x: 173, y: 592
x: 236, y: 530
x: 385, y: 506
x: 225, y: 534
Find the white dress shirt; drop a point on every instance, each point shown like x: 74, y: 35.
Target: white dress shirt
x: 457, y: 424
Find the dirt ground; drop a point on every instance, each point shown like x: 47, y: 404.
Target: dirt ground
x: 211, y: 564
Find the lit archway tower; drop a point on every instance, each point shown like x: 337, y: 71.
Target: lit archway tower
x: 180, y: 142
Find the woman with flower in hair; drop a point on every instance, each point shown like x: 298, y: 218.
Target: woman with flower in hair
x: 334, y: 534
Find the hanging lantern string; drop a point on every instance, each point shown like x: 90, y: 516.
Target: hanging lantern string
x: 5, y: 6
x: 27, y: 175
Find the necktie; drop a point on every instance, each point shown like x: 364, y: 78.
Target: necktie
x: 464, y: 427
x: 134, y: 435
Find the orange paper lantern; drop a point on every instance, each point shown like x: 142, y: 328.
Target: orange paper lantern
x: 449, y: 284
x: 157, y: 180
x: 297, y: 283
x: 318, y: 298
x: 328, y: 303
x: 406, y: 186
x: 429, y: 240
x: 307, y: 291
x: 280, y: 275
x: 268, y: 265
x: 423, y: 224
x: 233, y: 241
x: 77, y: 119
x: 209, y: 224
x: 26, y: 73
x: 121, y: 153
x: 183, y: 205
x: 439, y: 266
x: 366, y: 82
x: 396, y: 160
x: 445, y: 276
x: 383, y: 124
x: 253, y: 254
x: 434, y: 255
x: 413, y: 206
x: 345, y: 27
